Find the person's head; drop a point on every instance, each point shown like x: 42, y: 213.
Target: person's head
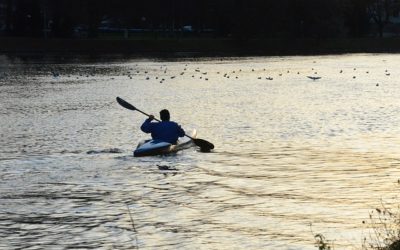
x: 164, y: 115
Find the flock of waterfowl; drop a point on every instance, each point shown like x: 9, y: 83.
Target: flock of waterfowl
x: 162, y: 74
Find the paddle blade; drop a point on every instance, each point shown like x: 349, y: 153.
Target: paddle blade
x: 205, y: 146
x: 125, y: 104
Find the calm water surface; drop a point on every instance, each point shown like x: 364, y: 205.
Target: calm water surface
x: 290, y: 152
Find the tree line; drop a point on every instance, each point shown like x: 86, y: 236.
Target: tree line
x: 239, y: 19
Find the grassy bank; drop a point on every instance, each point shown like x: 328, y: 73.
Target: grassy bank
x: 201, y: 46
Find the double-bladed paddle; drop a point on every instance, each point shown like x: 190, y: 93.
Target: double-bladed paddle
x: 205, y: 146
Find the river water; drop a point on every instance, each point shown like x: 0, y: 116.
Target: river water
x: 293, y: 156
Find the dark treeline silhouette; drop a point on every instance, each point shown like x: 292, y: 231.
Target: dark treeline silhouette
x: 241, y: 19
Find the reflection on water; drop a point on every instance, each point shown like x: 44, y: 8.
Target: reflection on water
x: 290, y: 151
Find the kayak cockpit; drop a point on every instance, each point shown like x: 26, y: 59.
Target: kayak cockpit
x: 158, y: 147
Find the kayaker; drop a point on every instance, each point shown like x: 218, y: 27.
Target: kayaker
x: 165, y: 130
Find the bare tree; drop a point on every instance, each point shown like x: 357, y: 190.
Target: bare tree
x: 380, y: 12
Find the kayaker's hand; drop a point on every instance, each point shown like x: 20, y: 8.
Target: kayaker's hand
x: 151, y: 117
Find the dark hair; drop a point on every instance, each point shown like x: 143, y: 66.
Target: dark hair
x: 164, y: 115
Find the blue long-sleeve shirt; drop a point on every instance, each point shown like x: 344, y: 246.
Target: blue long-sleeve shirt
x: 165, y: 130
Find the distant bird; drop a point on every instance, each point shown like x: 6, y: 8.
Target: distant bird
x: 341, y: 71
x: 269, y: 78
x: 377, y: 84
x: 314, y: 77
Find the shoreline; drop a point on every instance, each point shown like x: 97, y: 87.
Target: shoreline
x: 200, y: 47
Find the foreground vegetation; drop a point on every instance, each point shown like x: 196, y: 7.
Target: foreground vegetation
x: 385, y: 226
x: 384, y: 231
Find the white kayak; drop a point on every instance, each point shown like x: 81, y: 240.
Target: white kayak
x: 158, y: 147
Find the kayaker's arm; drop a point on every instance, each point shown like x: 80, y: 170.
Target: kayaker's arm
x: 181, y: 132
x: 147, y: 126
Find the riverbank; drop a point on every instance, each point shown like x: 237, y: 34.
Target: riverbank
x: 199, y: 47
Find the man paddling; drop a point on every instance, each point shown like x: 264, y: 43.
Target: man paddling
x: 165, y: 130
